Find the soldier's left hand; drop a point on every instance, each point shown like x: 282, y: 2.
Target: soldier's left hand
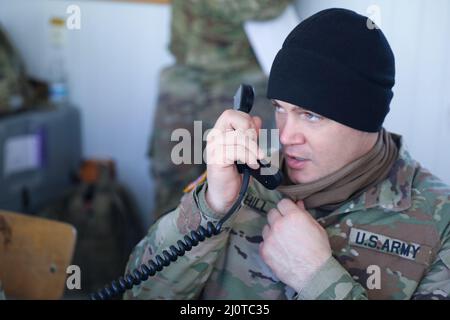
x: 295, y: 245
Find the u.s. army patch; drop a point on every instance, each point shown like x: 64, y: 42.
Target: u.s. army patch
x: 382, y: 243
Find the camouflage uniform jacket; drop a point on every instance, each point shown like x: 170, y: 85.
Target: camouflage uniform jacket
x: 400, y: 227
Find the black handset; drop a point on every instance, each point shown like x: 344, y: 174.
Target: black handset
x: 243, y: 101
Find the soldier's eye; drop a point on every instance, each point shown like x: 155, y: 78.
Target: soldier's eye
x: 311, y: 117
x: 277, y: 107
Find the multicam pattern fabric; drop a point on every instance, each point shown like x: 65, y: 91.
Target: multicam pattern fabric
x: 13, y: 86
x: 401, y: 227
x: 209, y: 34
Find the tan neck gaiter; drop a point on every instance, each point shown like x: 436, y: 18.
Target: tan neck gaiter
x: 330, y: 192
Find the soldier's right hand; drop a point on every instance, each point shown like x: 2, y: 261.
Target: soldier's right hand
x: 233, y: 138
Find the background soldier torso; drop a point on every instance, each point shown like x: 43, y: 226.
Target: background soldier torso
x: 213, y: 57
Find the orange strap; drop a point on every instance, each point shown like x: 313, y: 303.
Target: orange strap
x: 195, y: 183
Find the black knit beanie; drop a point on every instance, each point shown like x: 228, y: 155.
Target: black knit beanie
x: 335, y: 65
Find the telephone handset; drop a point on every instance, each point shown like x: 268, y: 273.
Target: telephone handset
x: 243, y: 101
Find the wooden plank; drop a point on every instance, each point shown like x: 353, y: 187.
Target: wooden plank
x: 34, y: 255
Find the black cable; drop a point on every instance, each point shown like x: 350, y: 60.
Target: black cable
x: 167, y: 256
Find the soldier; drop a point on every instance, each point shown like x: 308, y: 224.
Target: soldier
x: 213, y: 56
x: 357, y: 217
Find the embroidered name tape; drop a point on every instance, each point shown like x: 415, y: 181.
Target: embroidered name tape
x: 382, y: 243
x: 255, y: 203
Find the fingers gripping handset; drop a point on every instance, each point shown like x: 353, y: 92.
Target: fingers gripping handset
x: 243, y: 102
x: 233, y: 152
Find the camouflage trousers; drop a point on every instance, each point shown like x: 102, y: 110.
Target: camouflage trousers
x: 187, y: 95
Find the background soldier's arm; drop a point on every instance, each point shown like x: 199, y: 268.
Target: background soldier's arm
x: 239, y: 11
x: 186, y: 277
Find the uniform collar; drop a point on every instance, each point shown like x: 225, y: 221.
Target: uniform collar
x: 392, y: 194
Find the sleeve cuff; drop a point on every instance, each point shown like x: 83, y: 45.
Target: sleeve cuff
x: 205, y: 209
x: 200, y: 197
x: 328, y: 275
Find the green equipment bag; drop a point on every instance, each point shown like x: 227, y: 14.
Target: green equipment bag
x: 107, y: 224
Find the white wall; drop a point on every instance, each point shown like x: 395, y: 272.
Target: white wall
x: 419, y: 33
x: 113, y: 66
